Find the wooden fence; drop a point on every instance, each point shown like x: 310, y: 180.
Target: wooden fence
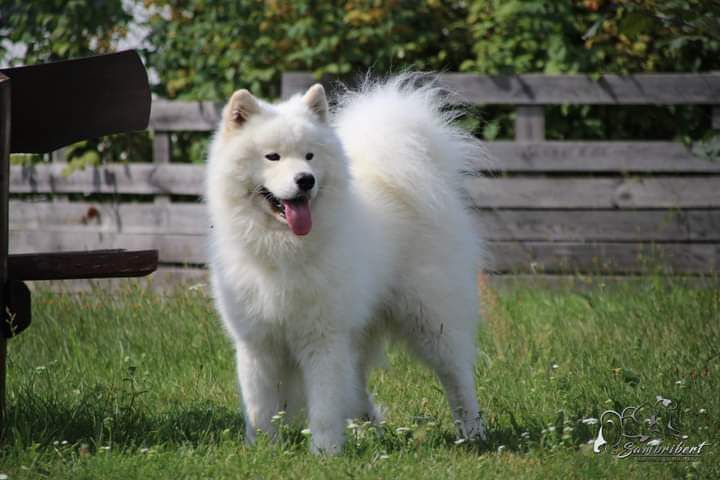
x: 557, y: 207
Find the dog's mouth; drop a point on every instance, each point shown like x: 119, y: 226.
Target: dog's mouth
x: 293, y: 211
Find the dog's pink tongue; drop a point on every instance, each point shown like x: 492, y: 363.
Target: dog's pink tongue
x: 297, y: 214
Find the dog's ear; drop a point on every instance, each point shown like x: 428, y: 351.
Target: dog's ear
x: 316, y: 100
x: 241, y: 106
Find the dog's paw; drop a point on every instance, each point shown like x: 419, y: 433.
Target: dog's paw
x: 376, y: 414
x: 326, y: 442
x: 473, y: 430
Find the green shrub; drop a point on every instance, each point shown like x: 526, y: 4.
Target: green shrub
x: 200, y: 49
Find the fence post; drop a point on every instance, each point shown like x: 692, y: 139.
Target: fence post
x: 716, y: 117
x: 530, y: 123
x: 161, y: 156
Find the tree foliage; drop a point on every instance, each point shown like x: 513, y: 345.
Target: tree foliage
x: 594, y: 36
x: 59, y: 29
x: 204, y: 49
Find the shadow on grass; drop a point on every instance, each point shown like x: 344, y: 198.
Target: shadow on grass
x: 94, y: 422
x: 101, y: 418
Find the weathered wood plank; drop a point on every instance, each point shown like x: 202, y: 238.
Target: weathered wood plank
x: 576, y: 283
x: 93, y: 264
x: 169, y: 280
x: 187, y: 179
x: 172, y: 248
x: 530, y: 123
x: 514, y: 192
x: 138, y: 178
x: 166, y: 280
x: 574, y: 257
x: 548, y: 225
x: 598, y: 157
x: 508, y: 256
x: 600, y: 225
x: 167, y: 116
x: 161, y: 156
x: 99, y: 217
x: 571, y: 193
x: 540, y: 89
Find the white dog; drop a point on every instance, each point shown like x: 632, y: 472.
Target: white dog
x: 329, y: 234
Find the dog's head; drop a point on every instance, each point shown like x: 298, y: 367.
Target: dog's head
x: 281, y: 158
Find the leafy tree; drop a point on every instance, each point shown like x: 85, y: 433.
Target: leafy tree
x: 594, y: 36
x: 205, y: 49
x: 61, y: 29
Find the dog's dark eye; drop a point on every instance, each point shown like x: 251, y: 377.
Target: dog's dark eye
x: 274, y: 157
x: 309, y: 156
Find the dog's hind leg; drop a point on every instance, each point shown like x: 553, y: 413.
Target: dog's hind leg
x: 449, y: 349
x: 371, y: 354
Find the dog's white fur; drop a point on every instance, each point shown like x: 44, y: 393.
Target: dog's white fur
x: 391, y: 251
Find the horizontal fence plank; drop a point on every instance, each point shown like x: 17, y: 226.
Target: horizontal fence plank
x: 514, y: 192
x: 545, y: 225
x: 604, y: 257
x: 174, y: 280
x: 98, y: 217
x: 595, y: 157
x: 541, y: 89
x: 600, y: 225
x: 171, y: 116
x: 507, y: 256
x: 649, y: 192
x: 131, y: 178
x: 584, y: 283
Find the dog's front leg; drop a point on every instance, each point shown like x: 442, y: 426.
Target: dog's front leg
x: 260, y: 384
x: 331, y: 390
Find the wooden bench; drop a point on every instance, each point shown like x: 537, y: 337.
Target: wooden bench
x: 43, y: 107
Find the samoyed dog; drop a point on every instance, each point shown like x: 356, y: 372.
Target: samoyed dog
x: 333, y: 231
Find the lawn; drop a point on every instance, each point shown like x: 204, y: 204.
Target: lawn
x: 130, y: 384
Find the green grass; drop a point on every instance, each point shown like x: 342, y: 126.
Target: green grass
x: 134, y: 385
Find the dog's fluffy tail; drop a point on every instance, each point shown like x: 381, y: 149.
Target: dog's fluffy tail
x: 402, y: 131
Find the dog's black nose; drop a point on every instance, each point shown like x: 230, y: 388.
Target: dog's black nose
x: 305, y: 181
